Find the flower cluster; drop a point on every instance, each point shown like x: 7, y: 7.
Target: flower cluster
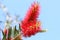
x: 29, y: 26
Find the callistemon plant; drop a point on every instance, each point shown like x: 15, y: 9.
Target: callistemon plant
x: 30, y: 25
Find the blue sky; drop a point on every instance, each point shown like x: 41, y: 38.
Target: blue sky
x: 50, y: 16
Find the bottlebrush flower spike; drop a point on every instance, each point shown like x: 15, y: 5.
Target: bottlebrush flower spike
x: 30, y: 25
x: 32, y: 13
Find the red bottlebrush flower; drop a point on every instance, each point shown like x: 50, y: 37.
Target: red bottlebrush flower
x: 30, y: 25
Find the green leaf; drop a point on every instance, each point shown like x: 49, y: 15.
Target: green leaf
x: 9, y: 32
x: 16, y: 32
x: 4, y: 36
x: 19, y: 27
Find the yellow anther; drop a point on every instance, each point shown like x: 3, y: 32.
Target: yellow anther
x: 38, y: 24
